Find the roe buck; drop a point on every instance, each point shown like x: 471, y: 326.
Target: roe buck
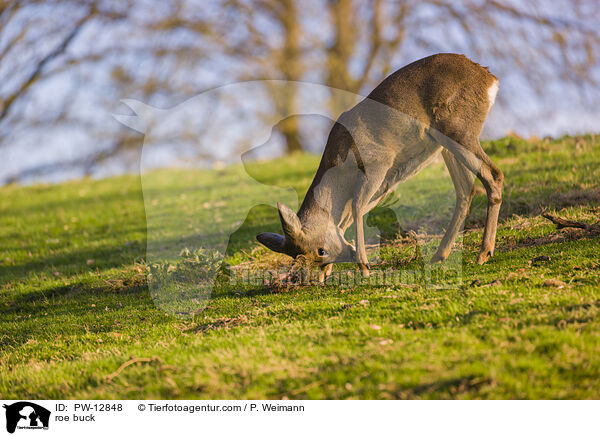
x: 435, y: 104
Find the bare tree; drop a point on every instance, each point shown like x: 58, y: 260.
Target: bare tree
x: 36, y: 47
x: 364, y: 40
x: 165, y: 53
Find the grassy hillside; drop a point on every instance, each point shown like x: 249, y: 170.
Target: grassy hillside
x: 77, y: 319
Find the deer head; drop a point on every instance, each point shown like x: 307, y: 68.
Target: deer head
x: 322, y: 242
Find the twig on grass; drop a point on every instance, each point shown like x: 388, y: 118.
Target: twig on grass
x: 130, y: 362
x: 562, y: 223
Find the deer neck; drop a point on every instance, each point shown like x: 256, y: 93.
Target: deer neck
x: 330, y: 194
x: 324, y: 202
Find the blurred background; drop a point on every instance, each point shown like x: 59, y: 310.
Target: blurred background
x: 65, y: 65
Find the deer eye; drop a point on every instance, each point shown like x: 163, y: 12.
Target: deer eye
x: 322, y: 252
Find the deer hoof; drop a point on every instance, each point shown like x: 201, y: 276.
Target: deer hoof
x: 364, y: 269
x: 484, y: 256
x: 438, y: 258
x: 325, y: 272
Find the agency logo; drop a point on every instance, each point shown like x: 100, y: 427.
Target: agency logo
x: 26, y: 415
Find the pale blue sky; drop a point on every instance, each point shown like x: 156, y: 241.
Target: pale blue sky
x: 558, y: 110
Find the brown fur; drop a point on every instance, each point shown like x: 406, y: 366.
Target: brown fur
x: 437, y: 102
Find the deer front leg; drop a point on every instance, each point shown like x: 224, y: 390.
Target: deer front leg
x: 325, y: 272
x: 367, y: 184
x: 361, y: 251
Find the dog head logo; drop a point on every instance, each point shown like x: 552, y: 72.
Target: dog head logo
x: 26, y: 415
x: 193, y: 216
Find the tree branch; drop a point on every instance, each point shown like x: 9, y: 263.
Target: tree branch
x: 562, y: 223
x: 8, y: 102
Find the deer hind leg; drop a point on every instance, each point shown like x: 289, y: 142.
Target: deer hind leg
x: 471, y: 155
x: 492, y: 179
x: 463, y: 180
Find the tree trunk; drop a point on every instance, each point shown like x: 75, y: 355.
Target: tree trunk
x: 290, y: 131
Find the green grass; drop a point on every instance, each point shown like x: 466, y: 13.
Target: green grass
x: 75, y: 304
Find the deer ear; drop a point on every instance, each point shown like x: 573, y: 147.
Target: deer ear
x: 289, y: 221
x: 272, y: 241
